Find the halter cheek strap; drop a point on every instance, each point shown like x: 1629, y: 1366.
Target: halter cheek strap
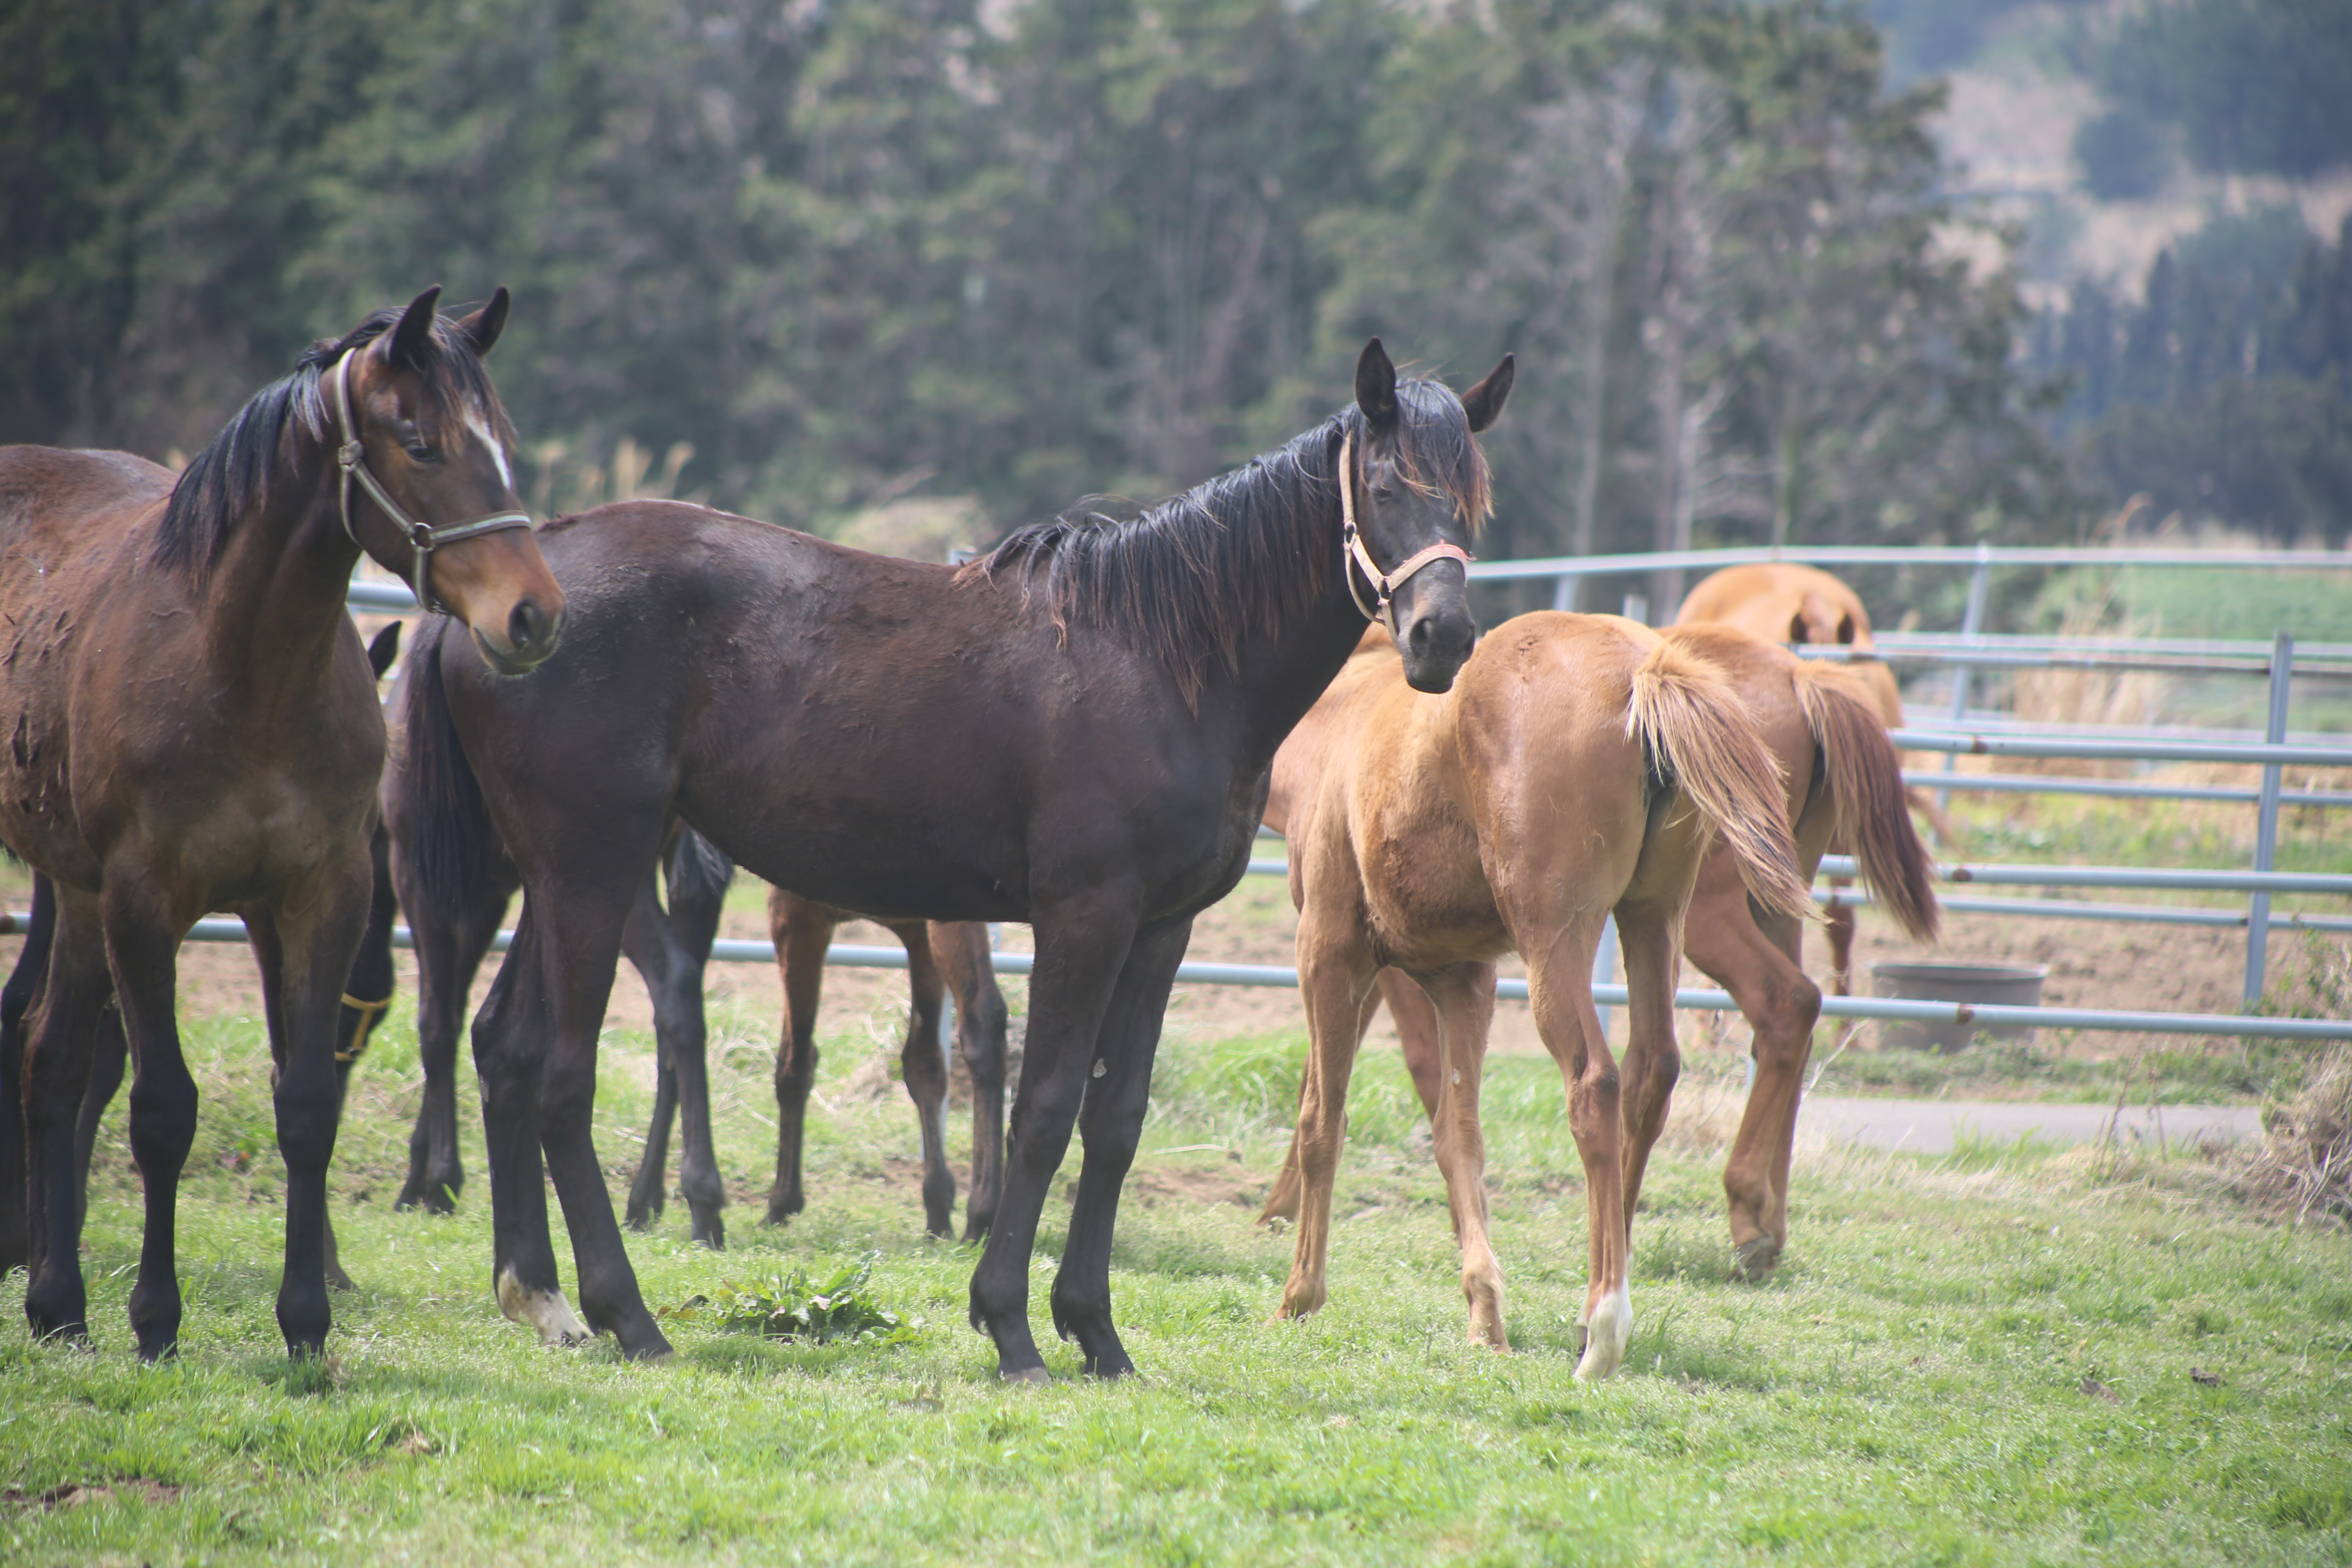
x: 351, y: 456
x: 1355, y: 558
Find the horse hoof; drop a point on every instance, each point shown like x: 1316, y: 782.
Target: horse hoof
x: 1027, y: 1374
x: 1752, y: 1262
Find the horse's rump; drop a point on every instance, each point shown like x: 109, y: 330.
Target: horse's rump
x: 1700, y: 740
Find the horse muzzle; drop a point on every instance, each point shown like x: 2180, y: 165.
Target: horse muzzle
x: 1430, y: 622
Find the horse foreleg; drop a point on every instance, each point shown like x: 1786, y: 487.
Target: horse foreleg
x: 17, y: 1001
x: 1083, y: 946
x: 58, y: 1028
x: 1559, y: 988
x: 1416, y: 1022
x: 1335, y: 981
x: 923, y: 1067
x: 510, y: 1056
x: 315, y: 930
x: 142, y: 945
x: 802, y: 931
x: 1109, y: 1125
x: 960, y: 949
x: 578, y: 951
x: 1462, y: 1000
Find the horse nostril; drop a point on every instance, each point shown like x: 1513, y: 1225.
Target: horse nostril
x: 1419, y: 637
x: 527, y: 626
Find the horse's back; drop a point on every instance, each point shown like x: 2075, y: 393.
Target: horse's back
x: 53, y: 488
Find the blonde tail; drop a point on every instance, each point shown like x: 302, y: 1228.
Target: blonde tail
x: 1866, y: 787
x: 1698, y: 732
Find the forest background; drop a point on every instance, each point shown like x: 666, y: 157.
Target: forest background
x: 913, y: 273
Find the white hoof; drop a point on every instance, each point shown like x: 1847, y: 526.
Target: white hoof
x: 544, y: 1311
x: 1607, y: 1335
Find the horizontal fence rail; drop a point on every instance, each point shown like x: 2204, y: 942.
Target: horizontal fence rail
x: 1558, y: 566
x: 2125, y: 914
x: 736, y: 951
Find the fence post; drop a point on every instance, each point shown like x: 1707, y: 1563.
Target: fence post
x: 1971, y: 624
x: 2258, y: 910
x: 1563, y: 593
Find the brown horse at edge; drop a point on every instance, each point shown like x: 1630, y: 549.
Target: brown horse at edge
x: 193, y: 726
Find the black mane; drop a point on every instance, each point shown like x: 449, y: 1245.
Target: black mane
x: 229, y: 479
x: 1193, y: 577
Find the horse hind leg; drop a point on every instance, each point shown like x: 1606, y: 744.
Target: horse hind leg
x: 923, y: 1067
x: 802, y: 931
x: 961, y: 950
x: 1415, y: 1017
x: 60, y: 1026
x: 18, y: 999
x: 448, y: 956
x: 690, y: 930
x: 1560, y: 987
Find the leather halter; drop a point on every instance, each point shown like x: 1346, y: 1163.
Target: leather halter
x: 351, y: 456
x: 1354, y: 557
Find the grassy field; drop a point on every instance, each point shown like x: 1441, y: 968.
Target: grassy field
x: 2006, y: 1356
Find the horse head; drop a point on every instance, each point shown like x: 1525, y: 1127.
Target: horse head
x: 1417, y: 489
x: 427, y: 485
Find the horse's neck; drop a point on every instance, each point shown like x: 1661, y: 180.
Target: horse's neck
x: 273, y: 605
x: 1283, y: 669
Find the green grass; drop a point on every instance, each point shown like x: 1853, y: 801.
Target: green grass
x: 1982, y: 1359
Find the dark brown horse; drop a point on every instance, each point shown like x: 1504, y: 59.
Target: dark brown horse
x: 1075, y: 731
x: 670, y: 947
x: 191, y: 726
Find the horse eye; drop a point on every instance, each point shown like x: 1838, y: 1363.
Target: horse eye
x: 420, y: 451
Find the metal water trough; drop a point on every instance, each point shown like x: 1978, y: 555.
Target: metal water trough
x: 1968, y: 985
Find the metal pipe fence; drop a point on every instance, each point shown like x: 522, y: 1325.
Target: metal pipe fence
x: 735, y: 951
x: 1966, y: 734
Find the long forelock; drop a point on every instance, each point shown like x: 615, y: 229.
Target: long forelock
x: 230, y: 478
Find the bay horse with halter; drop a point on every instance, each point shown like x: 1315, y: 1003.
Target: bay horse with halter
x: 1841, y: 780
x: 1579, y: 766
x: 193, y: 726
x: 1784, y: 601
x: 1073, y: 731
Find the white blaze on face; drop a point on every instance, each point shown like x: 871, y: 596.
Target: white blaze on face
x: 480, y: 425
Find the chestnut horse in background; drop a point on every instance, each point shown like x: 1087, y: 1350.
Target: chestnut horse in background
x: 1581, y: 765
x: 1843, y: 780
x: 1075, y: 731
x: 941, y: 956
x: 193, y: 726
x: 1782, y: 602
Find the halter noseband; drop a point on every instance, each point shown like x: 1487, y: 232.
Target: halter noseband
x: 1355, y: 558
x: 351, y: 456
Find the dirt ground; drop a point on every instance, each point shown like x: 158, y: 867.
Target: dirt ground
x: 2092, y: 965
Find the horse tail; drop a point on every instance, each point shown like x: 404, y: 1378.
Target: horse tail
x: 452, y: 847
x: 1864, y: 775
x: 697, y: 870
x: 1700, y: 739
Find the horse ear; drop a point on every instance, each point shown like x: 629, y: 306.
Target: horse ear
x: 1484, y: 403
x: 483, y: 327
x: 1376, y: 385
x: 416, y: 329
x: 384, y: 650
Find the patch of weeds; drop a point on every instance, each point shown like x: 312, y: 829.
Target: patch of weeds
x: 835, y: 1310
